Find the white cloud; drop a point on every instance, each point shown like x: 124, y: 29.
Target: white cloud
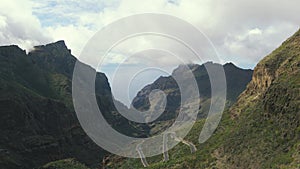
x: 242, y: 31
x: 252, y: 45
x: 255, y: 31
x: 225, y: 22
x: 74, y: 36
x: 19, y: 26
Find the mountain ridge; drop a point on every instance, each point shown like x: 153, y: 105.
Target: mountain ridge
x: 38, y: 122
x: 237, y: 79
x: 261, y: 130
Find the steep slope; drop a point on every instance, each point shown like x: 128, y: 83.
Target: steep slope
x: 37, y: 126
x: 261, y: 130
x: 37, y: 119
x: 269, y: 112
x: 237, y: 80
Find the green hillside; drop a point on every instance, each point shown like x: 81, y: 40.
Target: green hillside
x: 261, y: 130
x: 39, y: 128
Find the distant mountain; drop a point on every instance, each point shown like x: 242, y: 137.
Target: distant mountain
x: 237, y: 80
x: 37, y: 119
x: 261, y: 130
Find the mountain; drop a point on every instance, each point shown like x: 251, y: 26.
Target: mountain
x: 260, y: 130
x: 39, y: 127
x: 236, y: 79
x: 37, y: 119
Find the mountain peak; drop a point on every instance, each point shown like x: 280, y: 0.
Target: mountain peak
x: 229, y: 64
x: 59, y: 45
x: 54, y: 56
x: 11, y: 50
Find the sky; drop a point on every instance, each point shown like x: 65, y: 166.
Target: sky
x: 242, y: 31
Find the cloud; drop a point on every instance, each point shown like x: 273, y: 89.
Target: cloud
x: 221, y: 21
x: 252, y: 45
x: 74, y: 36
x: 242, y: 31
x: 36, y: 22
x: 19, y: 26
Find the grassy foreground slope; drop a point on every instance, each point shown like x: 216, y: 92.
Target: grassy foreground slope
x: 261, y: 130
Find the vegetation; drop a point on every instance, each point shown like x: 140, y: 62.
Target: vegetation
x: 38, y: 124
x: 37, y: 120
x: 64, y: 164
x: 261, y: 130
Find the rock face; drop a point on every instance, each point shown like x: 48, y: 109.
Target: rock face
x: 280, y: 68
x: 268, y: 114
x: 237, y: 80
x: 37, y: 119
